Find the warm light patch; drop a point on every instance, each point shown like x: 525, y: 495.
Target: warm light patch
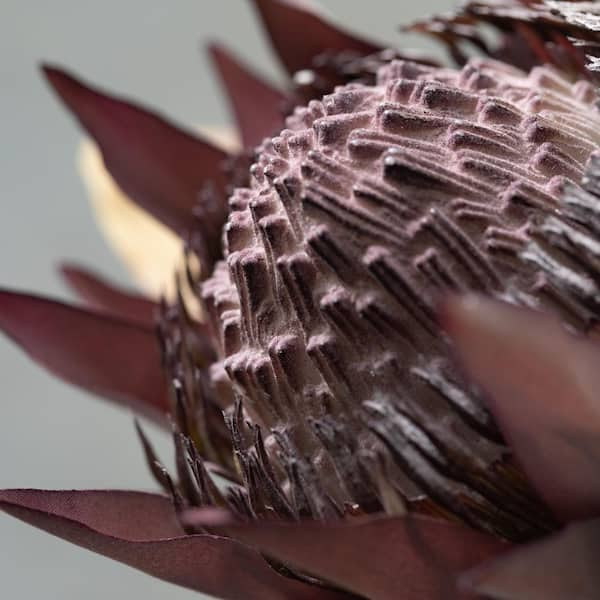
x: 150, y: 251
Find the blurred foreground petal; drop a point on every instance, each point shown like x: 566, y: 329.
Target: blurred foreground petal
x: 543, y: 389
x: 561, y: 567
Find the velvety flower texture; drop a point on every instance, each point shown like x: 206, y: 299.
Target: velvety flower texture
x: 386, y: 216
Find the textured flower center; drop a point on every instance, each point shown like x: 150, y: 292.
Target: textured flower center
x: 374, y: 202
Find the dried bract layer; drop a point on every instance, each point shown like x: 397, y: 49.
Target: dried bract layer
x: 372, y: 203
x: 564, y: 34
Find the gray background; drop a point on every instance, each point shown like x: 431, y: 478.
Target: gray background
x: 52, y: 435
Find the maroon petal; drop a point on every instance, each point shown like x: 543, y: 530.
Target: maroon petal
x: 561, y: 567
x: 108, y: 356
x: 160, y: 167
x: 139, y: 530
x: 380, y: 558
x: 133, y: 516
x: 543, y: 385
x: 258, y: 106
x: 107, y: 298
x: 299, y: 33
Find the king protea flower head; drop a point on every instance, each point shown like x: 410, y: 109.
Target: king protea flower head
x: 385, y: 216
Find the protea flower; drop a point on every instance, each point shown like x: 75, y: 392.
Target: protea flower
x: 327, y: 443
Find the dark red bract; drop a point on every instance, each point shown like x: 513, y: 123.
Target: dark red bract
x: 327, y: 444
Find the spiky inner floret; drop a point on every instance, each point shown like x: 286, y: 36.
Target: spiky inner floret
x: 372, y: 203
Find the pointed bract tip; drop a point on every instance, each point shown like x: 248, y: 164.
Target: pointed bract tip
x: 258, y: 106
x: 288, y: 23
x: 63, y: 82
x: 106, y: 297
x: 52, y: 71
x: 47, y: 69
x: 161, y: 167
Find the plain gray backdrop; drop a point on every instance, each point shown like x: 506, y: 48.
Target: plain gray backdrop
x: 51, y: 434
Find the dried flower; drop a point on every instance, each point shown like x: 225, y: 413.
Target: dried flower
x: 327, y: 445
